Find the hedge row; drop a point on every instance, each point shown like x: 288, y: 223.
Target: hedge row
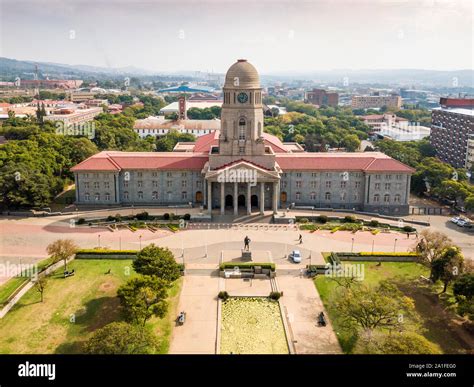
x: 231, y: 265
x: 106, y: 252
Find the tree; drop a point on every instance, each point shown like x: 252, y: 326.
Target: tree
x: 371, y: 308
x: 143, y: 298
x: 464, y: 286
x: 431, y: 247
x: 158, y: 261
x: 40, y: 285
x: 404, y: 343
x: 351, y: 142
x: 62, y: 250
x: 448, y: 266
x: 121, y: 338
x: 469, y: 203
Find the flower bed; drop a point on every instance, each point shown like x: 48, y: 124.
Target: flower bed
x: 252, y: 325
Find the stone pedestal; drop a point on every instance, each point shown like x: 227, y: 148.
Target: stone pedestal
x: 246, y: 255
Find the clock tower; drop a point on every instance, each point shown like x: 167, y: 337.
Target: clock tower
x: 242, y: 113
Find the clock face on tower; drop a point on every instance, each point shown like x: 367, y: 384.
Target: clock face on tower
x: 242, y: 97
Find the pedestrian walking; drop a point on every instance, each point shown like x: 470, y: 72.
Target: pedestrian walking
x: 301, y: 239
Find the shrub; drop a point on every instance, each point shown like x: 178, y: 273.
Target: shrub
x: 81, y: 221
x: 322, y: 219
x: 349, y: 219
x: 187, y: 216
x: 334, y: 229
x: 172, y: 216
x: 166, y: 216
x: 303, y: 220
x: 275, y: 295
x: 110, y: 218
x: 223, y: 295
x: 408, y: 229
x: 143, y: 215
x: 373, y: 223
x: 118, y: 217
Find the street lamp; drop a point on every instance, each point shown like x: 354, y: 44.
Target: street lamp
x: 140, y: 238
x: 373, y: 241
x: 352, y: 247
x: 98, y: 237
x: 395, y: 245
x: 120, y: 243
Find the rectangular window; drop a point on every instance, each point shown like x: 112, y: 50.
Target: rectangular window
x: 169, y: 174
x: 328, y: 184
x: 184, y: 195
x: 140, y: 184
x: 378, y: 177
x: 357, y: 184
x: 314, y: 184
x: 377, y: 185
x: 298, y: 174
x: 298, y: 184
x: 183, y: 183
x: 96, y: 184
x: 387, y: 186
x: 343, y: 184
x: 86, y: 184
x: 139, y: 174
x: 155, y: 183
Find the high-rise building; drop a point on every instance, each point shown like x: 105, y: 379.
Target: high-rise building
x: 451, y: 127
x: 321, y: 97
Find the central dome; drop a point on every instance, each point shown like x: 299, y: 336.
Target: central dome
x: 246, y: 74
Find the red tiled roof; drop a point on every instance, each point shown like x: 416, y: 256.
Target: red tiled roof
x: 367, y: 161
x: 204, y: 143
x: 115, y: 161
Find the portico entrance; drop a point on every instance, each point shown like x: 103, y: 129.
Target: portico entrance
x: 229, y: 201
x: 241, y: 201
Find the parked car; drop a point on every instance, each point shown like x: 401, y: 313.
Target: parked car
x: 464, y: 223
x: 295, y: 256
x: 455, y: 220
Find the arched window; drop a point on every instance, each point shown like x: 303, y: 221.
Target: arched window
x: 107, y: 196
x: 298, y: 195
x: 140, y: 194
x: 312, y: 196
x: 154, y: 195
x: 396, y: 199
x: 376, y: 198
x: 97, y: 196
x: 327, y: 196
x: 125, y: 195
x: 343, y: 196
x: 242, y: 128
x: 87, y: 196
x: 386, y: 198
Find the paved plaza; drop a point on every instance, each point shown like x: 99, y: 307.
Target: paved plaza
x: 203, y: 249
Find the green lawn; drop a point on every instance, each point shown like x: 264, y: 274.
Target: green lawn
x: 9, y: 287
x: 73, y: 308
x: 373, y: 275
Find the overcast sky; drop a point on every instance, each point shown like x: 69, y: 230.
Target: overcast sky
x: 275, y: 36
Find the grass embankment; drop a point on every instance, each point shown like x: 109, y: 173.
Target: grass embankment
x: 74, y: 308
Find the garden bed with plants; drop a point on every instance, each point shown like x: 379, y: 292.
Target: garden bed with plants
x: 141, y: 220
x: 347, y: 223
x: 252, y: 325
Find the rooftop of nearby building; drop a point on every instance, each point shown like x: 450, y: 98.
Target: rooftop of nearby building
x: 163, y: 123
x: 463, y: 111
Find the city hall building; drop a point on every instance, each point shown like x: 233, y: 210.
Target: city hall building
x: 242, y: 169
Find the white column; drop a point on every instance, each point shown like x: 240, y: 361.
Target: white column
x: 209, y: 197
x: 249, y: 199
x: 236, y: 196
x: 262, y: 197
x: 222, y: 198
x: 275, y: 197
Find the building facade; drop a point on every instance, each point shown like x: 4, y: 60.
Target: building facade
x: 450, y: 131
x: 240, y: 168
x: 322, y: 97
x: 376, y: 101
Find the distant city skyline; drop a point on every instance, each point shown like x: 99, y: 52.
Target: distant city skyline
x: 275, y: 36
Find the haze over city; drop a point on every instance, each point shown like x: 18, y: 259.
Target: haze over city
x: 278, y: 37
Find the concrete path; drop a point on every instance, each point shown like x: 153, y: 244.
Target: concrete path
x: 199, y: 300
x: 302, y: 304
